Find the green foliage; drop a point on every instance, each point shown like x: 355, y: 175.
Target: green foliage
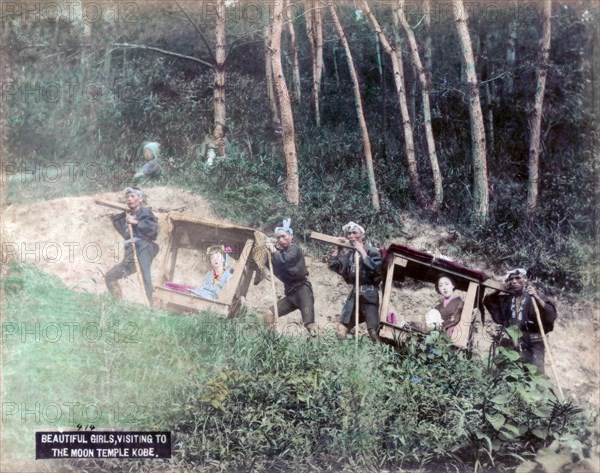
x: 138, y: 95
x: 239, y: 396
x: 275, y: 401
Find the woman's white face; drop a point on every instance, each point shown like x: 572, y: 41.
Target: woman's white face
x: 445, y: 287
x: 148, y: 155
x: 216, y: 260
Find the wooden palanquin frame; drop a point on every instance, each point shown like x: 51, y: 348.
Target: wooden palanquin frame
x: 401, y: 261
x: 188, y: 231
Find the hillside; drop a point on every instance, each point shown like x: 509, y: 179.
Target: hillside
x: 73, y: 239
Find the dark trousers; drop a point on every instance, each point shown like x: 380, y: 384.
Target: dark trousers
x: 533, y: 351
x: 368, y: 308
x: 301, y: 298
x: 146, y: 251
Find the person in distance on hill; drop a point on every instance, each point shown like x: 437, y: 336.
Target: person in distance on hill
x: 517, y: 308
x: 213, y: 145
x: 145, y: 232
x: 217, y: 277
x: 152, y: 168
x: 342, y: 261
x: 290, y: 268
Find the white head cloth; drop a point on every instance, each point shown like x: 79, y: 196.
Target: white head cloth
x: 350, y: 226
x: 285, y: 227
x: 134, y: 190
x: 515, y: 272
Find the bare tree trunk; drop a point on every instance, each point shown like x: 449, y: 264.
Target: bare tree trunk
x: 511, y: 55
x: 395, y: 55
x: 220, y: 55
x: 364, y: 133
x: 488, y: 96
x: 294, y: 52
x: 287, y: 118
x: 269, y: 79
x: 480, y: 178
x: 427, y: 51
x: 314, y: 29
x: 424, y: 82
x: 536, y: 116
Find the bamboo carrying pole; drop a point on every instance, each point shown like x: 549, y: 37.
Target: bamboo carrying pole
x: 357, y: 290
x: 137, y: 264
x: 119, y: 206
x: 275, y: 311
x: 547, y: 347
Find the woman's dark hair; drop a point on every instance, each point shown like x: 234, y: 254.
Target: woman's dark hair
x: 440, y: 276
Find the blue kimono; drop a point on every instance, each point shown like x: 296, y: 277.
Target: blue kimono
x: 210, y: 288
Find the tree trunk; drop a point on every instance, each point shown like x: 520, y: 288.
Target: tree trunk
x: 395, y: 55
x: 511, y: 55
x: 424, y: 82
x: 359, y: 108
x: 294, y: 53
x: 314, y: 29
x: 220, y: 55
x: 427, y: 51
x: 287, y: 119
x: 536, y: 116
x: 269, y: 79
x: 480, y: 178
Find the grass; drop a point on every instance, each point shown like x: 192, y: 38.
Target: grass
x: 115, y: 364
x: 239, y: 397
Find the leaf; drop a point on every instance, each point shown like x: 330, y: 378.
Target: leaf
x: 500, y: 399
x: 497, y: 420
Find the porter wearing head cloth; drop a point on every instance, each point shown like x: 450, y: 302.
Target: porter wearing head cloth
x: 351, y: 226
x: 134, y: 190
x: 285, y: 228
x: 515, y: 272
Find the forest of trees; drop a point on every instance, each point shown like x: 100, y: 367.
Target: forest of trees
x: 464, y: 113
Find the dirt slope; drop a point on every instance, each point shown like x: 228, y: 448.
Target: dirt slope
x: 73, y: 239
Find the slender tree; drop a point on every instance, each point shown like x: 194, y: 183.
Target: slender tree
x: 395, y: 55
x: 285, y: 107
x: 425, y: 88
x: 478, y: 147
x: 314, y: 29
x: 535, y: 122
x: 294, y: 52
x: 220, y: 56
x: 427, y: 48
x: 364, y: 133
x: 511, y: 54
x: 271, y: 94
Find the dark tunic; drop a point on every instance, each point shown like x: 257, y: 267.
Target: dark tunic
x: 290, y: 268
x: 531, y: 344
x: 144, y: 233
x: 369, y: 277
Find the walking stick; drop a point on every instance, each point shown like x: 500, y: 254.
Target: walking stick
x: 275, y: 311
x: 137, y: 263
x: 547, y: 347
x: 356, y: 295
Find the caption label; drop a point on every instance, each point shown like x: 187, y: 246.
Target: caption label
x: 50, y: 445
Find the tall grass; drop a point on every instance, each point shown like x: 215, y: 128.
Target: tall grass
x: 238, y: 396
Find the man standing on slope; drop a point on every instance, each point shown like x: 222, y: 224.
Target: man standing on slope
x: 517, y: 308
x: 145, y: 230
x: 290, y: 268
x: 369, y: 273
